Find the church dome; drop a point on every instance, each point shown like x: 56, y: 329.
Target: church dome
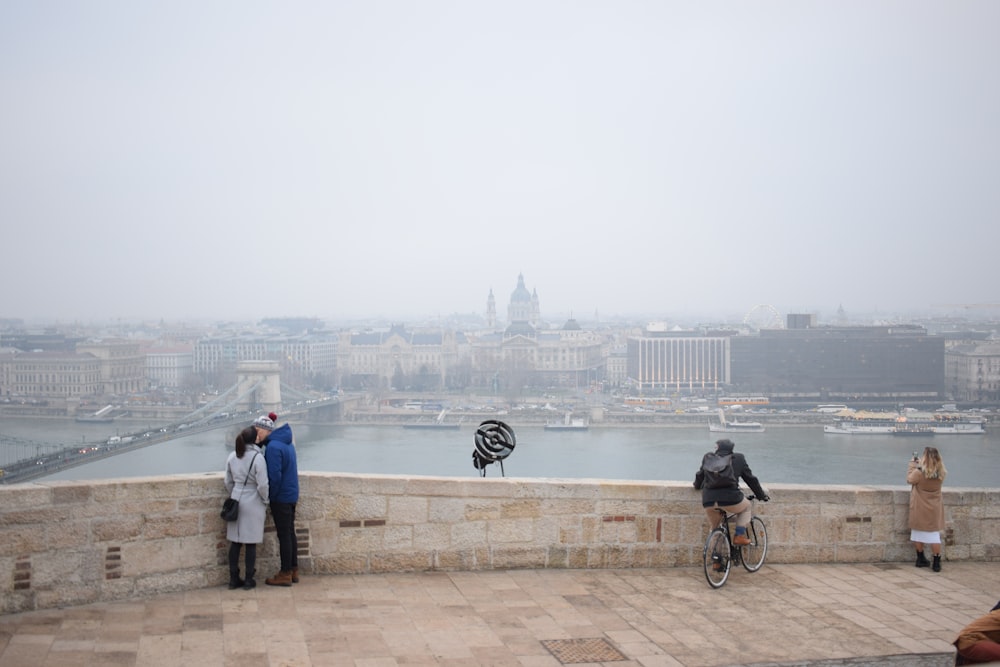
x: 520, y: 328
x: 520, y: 293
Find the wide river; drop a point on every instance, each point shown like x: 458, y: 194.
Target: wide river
x: 783, y: 454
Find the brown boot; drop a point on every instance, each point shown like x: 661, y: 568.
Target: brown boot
x: 295, y: 575
x: 283, y: 578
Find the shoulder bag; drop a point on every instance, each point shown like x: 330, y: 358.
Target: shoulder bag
x: 231, y: 506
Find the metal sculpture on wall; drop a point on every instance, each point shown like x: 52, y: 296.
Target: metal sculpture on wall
x: 494, y: 442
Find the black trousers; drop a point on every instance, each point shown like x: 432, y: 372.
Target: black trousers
x: 284, y: 525
x: 234, y: 559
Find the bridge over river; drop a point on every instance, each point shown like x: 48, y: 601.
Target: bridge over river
x: 22, y: 460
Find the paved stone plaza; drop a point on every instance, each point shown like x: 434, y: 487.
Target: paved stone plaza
x: 879, y: 614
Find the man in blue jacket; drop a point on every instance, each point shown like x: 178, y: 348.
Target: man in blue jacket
x: 283, y: 479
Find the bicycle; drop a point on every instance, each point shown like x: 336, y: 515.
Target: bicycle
x: 720, y: 552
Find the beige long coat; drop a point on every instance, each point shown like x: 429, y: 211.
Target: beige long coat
x: 926, y: 505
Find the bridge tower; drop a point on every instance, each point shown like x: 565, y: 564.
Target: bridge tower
x: 265, y: 398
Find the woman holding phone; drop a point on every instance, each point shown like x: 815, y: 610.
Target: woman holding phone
x: 925, y: 475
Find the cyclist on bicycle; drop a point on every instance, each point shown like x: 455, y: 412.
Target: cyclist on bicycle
x: 720, y: 489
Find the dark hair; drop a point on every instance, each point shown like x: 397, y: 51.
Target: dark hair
x: 247, y: 436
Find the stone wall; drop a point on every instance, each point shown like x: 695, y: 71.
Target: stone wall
x: 65, y: 543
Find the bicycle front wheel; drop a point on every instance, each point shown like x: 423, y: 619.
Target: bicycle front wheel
x: 754, y: 553
x: 716, y: 557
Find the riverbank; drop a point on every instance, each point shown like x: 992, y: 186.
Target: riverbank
x: 785, y: 453
x: 597, y: 419
x: 470, y: 419
x: 363, y: 413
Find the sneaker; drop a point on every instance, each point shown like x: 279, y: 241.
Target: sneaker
x: 741, y: 541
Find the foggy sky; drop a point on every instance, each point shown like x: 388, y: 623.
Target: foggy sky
x: 331, y: 159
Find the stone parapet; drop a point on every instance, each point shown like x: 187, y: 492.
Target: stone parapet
x: 64, y: 543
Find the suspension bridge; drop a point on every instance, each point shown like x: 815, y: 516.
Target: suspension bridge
x: 257, y: 391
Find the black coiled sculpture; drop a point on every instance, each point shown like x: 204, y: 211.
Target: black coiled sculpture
x: 494, y: 442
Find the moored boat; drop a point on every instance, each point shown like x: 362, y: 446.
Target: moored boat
x: 725, y: 425
x: 568, y: 424
x: 909, y: 424
x: 103, y: 416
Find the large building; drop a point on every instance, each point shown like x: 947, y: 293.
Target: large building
x: 616, y: 366
x: 401, y: 359
x: 682, y: 362
x: 972, y: 371
x: 123, y: 366
x: 526, y: 354
x: 106, y: 369
x: 878, y: 364
x: 169, y: 367
x: 307, y: 360
x: 521, y: 356
x: 49, y: 375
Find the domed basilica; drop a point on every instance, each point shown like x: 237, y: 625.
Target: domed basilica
x: 528, y: 354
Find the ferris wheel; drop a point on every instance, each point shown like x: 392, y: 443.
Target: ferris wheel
x: 763, y: 316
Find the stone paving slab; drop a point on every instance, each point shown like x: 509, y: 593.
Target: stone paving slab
x: 817, y: 615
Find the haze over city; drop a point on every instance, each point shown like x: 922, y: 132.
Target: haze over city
x: 226, y: 160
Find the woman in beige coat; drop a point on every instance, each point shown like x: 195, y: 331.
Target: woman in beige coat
x: 926, y: 474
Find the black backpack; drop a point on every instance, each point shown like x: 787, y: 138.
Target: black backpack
x: 719, y: 473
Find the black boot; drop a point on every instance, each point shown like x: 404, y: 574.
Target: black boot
x: 234, y: 566
x: 251, y: 565
x: 922, y: 560
x: 937, y: 564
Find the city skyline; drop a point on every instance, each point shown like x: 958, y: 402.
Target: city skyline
x: 752, y: 317
x: 364, y: 162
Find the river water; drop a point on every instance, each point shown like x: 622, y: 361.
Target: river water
x: 783, y: 454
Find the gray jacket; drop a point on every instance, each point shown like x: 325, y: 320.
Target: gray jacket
x: 248, y: 476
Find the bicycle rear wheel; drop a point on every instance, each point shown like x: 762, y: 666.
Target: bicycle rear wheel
x: 716, y: 558
x: 754, y: 553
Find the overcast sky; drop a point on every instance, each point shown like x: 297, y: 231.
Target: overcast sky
x: 346, y: 160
